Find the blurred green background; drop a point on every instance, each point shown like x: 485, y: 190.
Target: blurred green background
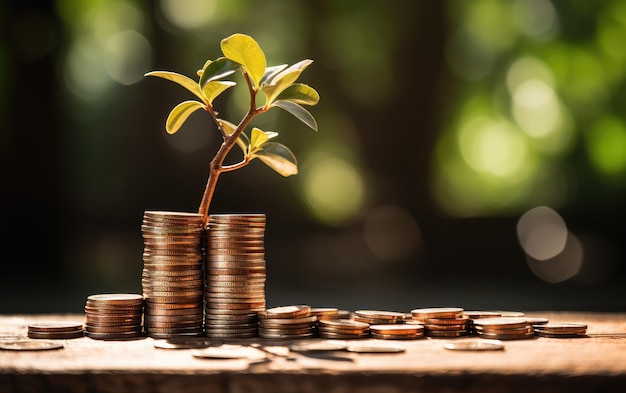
x: 469, y: 153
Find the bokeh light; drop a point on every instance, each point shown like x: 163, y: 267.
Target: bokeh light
x: 392, y: 233
x: 542, y: 233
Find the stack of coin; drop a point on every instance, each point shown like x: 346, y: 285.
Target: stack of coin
x: 342, y: 329
x: 561, y: 330
x: 325, y: 312
x: 445, y: 322
x: 374, y: 317
x: 115, y: 316
x: 55, y: 330
x: 477, y: 314
x: 504, y: 328
x: 235, y: 275
x: 172, y: 280
x: 287, y: 322
x: 397, y: 331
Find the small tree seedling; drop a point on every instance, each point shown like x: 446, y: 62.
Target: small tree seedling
x: 278, y: 84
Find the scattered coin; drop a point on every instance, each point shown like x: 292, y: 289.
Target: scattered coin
x: 229, y: 351
x: 182, y: 343
x: 562, y: 330
x: 475, y: 345
x: 30, y: 345
x: 324, y: 345
x: 374, y: 347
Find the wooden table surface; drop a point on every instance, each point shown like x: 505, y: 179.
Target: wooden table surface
x: 596, y: 362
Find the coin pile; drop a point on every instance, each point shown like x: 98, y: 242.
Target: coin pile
x: 115, y: 316
x: 55, y: 330
x: 445, y: 322
x: 287, y: 322
x: 172, y: 278
x: 342, y: 329
x: 235, y: 275
x: 374, y: 317
x: 504, y: 328
x: 561, y: 330
x: 325, y: 312
x: 477, y: 314
x: 397, y: 331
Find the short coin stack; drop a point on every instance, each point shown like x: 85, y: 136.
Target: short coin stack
x: 342, y: 329
x: 325, y: 312
x: 172, y: 279
x: 287, y: 322
x: 473, y: 315
x: 377, y: 317
x: 397, y: 331
x: 115, y: 316
x: 445, y: 322
x: 235, y: 275
x: 504, y: 328
x: 561, y: 330
x: 55, y: 330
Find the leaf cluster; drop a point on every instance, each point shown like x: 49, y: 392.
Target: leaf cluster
x: 241, y: 53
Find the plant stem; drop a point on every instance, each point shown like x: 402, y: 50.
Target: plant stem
x: 216, y: 168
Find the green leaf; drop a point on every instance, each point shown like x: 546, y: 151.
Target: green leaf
x: 214, y: 88
x: 244, y: 50
x: 182, y: 80
x: 299, y: 112
x: 258, y: 137
x: 278, y: 157
x: 218, y: 69
x: 229, y: 128
x: 179, y: 115
x: 271, y: 72
x: 299, y: 93
x: 283, y: 79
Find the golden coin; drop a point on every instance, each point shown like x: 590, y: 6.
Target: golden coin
x: 501, y: 322
x: 413, y: 336
x: 116, y: 298
x: 286, y: 312
x: 432, y: 327
x: 437, y: 312
x: 446, y: 321
x: 343, y: 324
x: 315, y: 346
x: 396, y: 329
x: 446, y: 333
x: 481, y: 314
x: 55, y: 327
x: 503, y: 336
x: 380, y: 315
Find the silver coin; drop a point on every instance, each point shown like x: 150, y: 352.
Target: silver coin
x: 475, y: 345
x: 30, y: 345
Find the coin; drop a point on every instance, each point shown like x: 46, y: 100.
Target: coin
x: 315, y: 346
x: 436, y: 312
x: 375, y: 348
x: 29, y: 345
x: 55, y: 327
x: 475, y: 345
x: 501, y: 322
x: 181, y: 343
x: 229, y: 351
x: 286, y: 312
x: 116, y: 298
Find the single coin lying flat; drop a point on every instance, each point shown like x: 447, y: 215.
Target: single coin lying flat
x: 30, y: 345
x: 474, y: 345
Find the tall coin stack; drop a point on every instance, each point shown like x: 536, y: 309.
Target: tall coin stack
x: 172, y: 278
x: 235, y: 275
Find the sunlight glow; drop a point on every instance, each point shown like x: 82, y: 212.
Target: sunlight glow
x: 333, y: 189
x: 542, y: 233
